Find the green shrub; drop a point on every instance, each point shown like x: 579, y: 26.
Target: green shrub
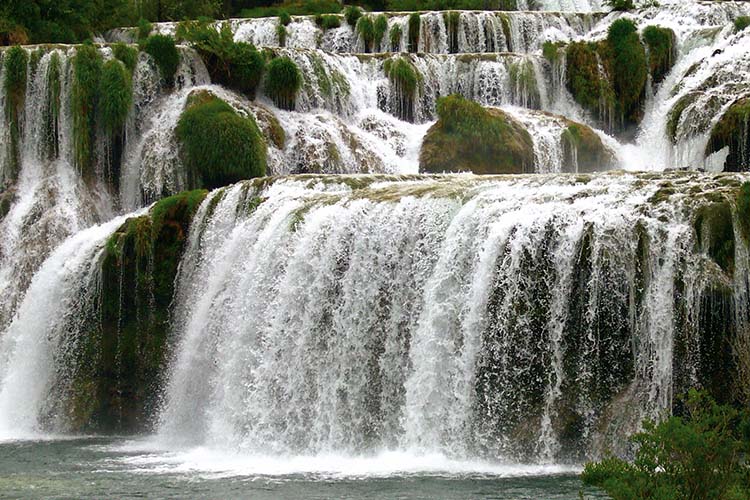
x: 415, y: 21
x: 294, y: 8
x: 115, y: 96
x: 661, y: 51
x: 16, y: 61
x: 629, y: 69
x: 87, y: 69
x: 284, y: 18
x: 741, y: 23
x: 237, y: 65
x: 283, y: 81
x: 405, y: 80
x: 395, y: 36
x: 144, y: 29
x: 218, y: 145
x: 583, y: 150
x: 380, y: 29
x: 620, y: 5
x: 352, y: 14
x: 281, y: 34
x: 695, y: 456
x: 128, y: 55
x: 468, y: 137
x: 366, y: 30
x: 551, y: 51
x: 589, y: 87
x: 164, y: 52
x: 329, y: 21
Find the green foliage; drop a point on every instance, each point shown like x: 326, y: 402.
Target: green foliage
x: 284, y: 18
x: 620, y: 5
x: 237, y: 65
x: 414, y: 5
x: 733, y: 131
x: 115, y: 96
x: 380, y: 28
x: 87, y: 69
x: 743, y: 209
x: 629, y: 69
x: 405, y: 80
x: 673, y: 119
x: 741, y: 23
x: 328, y: 21
x: 281, y: 34
x: 715, y: 233
x: 661, y: 51
x: 15, y: 63
x: 144, y: 29
x: 584, y: 79
x: 468, y: 137
x: 415, y: 21
x: 395, y: 36
x: 126, y: 54
x: 551, y: 51
x: 352, y: 14
x: 583, y: 150
x: 523, y: 83
x: 218, y: 145
x: 164, y: 52
x: 366, y: 29
x: 698, y: 456
x: 294, y: 8
x: 52, y: 118
x: 283, y: 81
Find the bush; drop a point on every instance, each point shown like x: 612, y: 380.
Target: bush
x: 415, y: 21
x: 589, y: 87
x: 380, y: 29
x: 404, y: 79
x: 661, y: 51
x: 352, y: 14
x: 295, y: 8
x: 237, y: 65
x: 144, y: 29
x: 164, y: 52
x: 395, y: 36
x: 281, y: 34
x: 128, y: 55
x: 115, y: 96
x: 629, y: 68
x: 87, y: 69
x: 284, y: 18
x: 620, y: 5
x: 219, y: 146
x: 698, y: 456
x: 468, y: 137
x: 329, y: 21
x: 283, y: 81
x: 741, y: 23
x: 366, y: 30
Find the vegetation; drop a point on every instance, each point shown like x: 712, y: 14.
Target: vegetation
x: 218, y: 145
x: 380, y: 29
x: 583, y: 150
x: 281, y: 34
x: 629, y: 69
x: 366, y: 29
x: 164, y: 52
x: 115, y: 96
x: 698, y: 455
x: 715, y: 233
x: 87, y: 69
x: 284, y: 18
x: 237, y: 65
x: 283, y: 81
x: 661, y: 43
x: 405, y: 80
x: 620, y: 5
x: 551, y: 51
x: 733, y: 131
x: 395, y: 36
x: 15, y: 62
x: 585, y: 80
x: 328, y: 21
x: 415, y: 21
x: 470, y: 138
x: 126, y: 54
x: 144, y: 29
x: 415, y: 5
x: 290, y: 7
x: 352, y: 15
x: 741, y: 23
x: 523, y: 83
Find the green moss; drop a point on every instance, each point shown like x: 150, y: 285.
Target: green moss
x: 583, y: 150
x: 219, y: 146
x: 284, y: 18
x: 352, y: 14
x: 283, y: 81
x: 395, y: 36
x: 715, y: 233
x: 733, y: 131
x: 144, y: 29
x: 366, y: 30
x: 551, y: 51
x: 115, y: 96
x: 673, y: 119
x: 281, y: 34
x: 523, y: 84
x: 87, y: 70
x: 468, y: 137
x: 452, y: 20
x: 328, y: 21
x: 743, y: 209
x: 126, y: 54
x: 629, y: 69
x: 585, y: 80
x: 741, y: 23
x: 380, y: 29
x: 15, y: 63
x: 415, y: 21
x: 661, y: 44
x: 405, y: 80
x: 34, y: 59
x: 164, y: 52
x: 52, y: 116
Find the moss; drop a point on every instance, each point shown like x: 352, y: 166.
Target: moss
x: 551, y: 51
x: 523, y: 84
x: 583, y: 150
x: 34, y: 59
x: 675, y: 114
x: 380, y: 29
x: 115, y: 96
x: 405, y: 80
x: 121, y: 362
x: 284, y: 18
x: 144, y: 29
x: 15, y: 62
x: 629, y: 70
x: 281, y: 34
x: 715, y: 233
x: 395, y: 36
x: 733, y: 132
x: 352, y: 14
x: 126, y: 54
x: 507, y: 32
x: 52, y: 116
x: 585, y: 81
x: 283, y: 81
x: 219, y: 146
x: 452, y: 20
x: 328, y: 22
x: 87, y: 69
x: 661, y: 44
x: 164, y: 52
x: 468, y: 137
x: 741, y: 23
x: 366, y: 29
x: 743, y: 210
x: 415, y: 21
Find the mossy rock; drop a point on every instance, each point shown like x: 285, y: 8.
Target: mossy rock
x: 675, y: 114
x: 87, y: 70
x: 743, y: 210
x: 469, y: 138
x: 405, y: 82
x: 584, y: 150
x: 283, y: 81
x: 733, y: 131
x: 218, y: 145
x: 121, y: 362
x: 585, y: 81
x: 15, y: 64
x: 629, y: 69
x: 714, y: 231
x: 661, y: 43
